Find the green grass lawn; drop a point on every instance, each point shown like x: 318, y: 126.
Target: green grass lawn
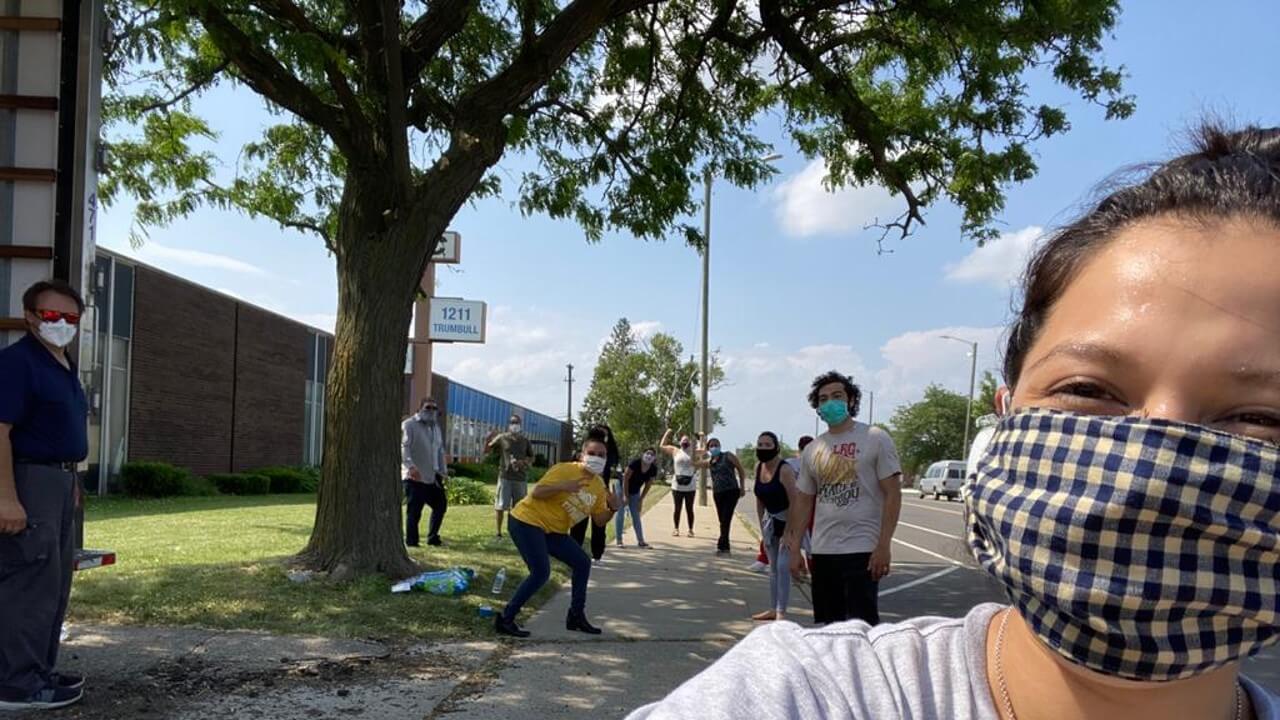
x: 218, y: 562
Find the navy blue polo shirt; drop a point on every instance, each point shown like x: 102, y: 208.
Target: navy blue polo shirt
x: 44, y: 403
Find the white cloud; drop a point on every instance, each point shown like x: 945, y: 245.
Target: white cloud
x: 1000, y: 262
x: 161, y: 255
x: 645, y: 329
x: 806, y: 207
x: 914, y: 360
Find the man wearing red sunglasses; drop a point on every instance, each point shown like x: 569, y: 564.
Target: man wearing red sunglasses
x: 43, y: 435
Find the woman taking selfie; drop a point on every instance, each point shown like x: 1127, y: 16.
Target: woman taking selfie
x: 1129, y: 502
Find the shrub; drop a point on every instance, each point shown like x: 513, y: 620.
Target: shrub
x: 540, y: 460
x: 285, y: 479
x: 474, y: 471
x: 464, y: 491
x: 241, y: 483
x: 154, y: 479
x: 196, y: 486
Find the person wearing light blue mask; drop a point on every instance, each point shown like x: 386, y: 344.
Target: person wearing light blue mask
x: 728, y: 485
x: 851, y: 481
x: 1128, y: 502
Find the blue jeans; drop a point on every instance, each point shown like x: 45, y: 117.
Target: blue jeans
x: 779, y: 570
x: 537, y: 547
x: 633, y: 504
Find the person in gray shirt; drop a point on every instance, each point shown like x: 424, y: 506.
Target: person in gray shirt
x: 513, y: 473
x: 1128, y: 502
x: 425, y: 466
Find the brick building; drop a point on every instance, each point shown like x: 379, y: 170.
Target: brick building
x: 179, y: 373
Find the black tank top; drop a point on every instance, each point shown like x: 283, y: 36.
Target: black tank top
x: 773, y: 493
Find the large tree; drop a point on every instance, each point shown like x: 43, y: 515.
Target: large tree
x: 391, y: 114
x: 930, y: 430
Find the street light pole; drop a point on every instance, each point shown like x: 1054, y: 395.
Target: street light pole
x: 702, y: 421
x: 973, y: 372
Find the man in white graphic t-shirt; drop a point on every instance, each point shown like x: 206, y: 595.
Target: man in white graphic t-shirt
x: 851, y: 480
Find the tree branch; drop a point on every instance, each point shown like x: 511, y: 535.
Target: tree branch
x: 867, y: 127
x: 442, y: 20
x: 195, y: 87
x: 260, y: 70
x: 288, y: 11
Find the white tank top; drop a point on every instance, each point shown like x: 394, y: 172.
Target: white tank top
x: 683, y: 463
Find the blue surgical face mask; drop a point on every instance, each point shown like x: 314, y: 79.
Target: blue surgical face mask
x: 714, y: 450
x: 834, y: 412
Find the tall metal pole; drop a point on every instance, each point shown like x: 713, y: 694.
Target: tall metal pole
x: 706, y: 296
x: 968, y: 415
x: 569, y: 412
x: 871, y: 414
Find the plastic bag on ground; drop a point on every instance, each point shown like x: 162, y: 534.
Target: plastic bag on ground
x: 453, y: 581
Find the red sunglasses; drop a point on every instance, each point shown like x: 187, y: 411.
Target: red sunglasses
x: 54, y: 316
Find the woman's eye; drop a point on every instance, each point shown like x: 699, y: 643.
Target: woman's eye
x: 1084, y: 395
x: 1254, y: 423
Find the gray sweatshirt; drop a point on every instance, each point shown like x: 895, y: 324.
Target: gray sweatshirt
x: 422, y: 447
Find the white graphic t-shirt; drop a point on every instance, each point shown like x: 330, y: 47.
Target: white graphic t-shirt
x: 843, y: 471
x: 683, y: 462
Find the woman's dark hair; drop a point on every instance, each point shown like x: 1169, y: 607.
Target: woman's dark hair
x: 804, y: 442
x: 33, y: 293
x: 853, y: 391
x: 771, y: 436
x: 605, y: 435
x: 1227, y: 174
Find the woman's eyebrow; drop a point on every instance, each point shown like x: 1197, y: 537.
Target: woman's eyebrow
x: 1254, y: 375
x: 1093, y: 352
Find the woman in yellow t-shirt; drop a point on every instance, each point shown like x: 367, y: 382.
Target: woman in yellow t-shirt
x: 539, y: 526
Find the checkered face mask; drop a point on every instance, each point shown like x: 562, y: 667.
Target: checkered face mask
x: 1144, y: 549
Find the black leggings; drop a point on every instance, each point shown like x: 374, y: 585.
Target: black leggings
x: 726, y: 503
x: 685, y: 498
x: 579, y: 534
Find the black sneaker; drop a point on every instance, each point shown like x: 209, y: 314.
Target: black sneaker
x: 578, y: 622
x: 508, y: 627
x: 435, y: 541
x: 70, y: 681
x: 50, y: 698
x: 412, y: 544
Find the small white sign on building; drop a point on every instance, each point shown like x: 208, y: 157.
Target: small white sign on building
x: 457, y: 320
x: 449, y: 249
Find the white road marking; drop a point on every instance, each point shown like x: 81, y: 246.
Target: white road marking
x: 920, y: 581
x: 935, y: 509
x: 931, y: 553
x: 922, y: 528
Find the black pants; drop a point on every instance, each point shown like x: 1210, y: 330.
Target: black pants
x: 420, y: 494
x: 843, y: 589
x: 579, y: 534
x: 35, y: 580
x: 726, y: 503
x: 685, y: 498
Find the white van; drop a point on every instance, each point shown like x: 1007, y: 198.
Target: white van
x: 943, y: 479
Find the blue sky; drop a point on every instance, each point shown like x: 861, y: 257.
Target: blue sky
x: 797, y: 286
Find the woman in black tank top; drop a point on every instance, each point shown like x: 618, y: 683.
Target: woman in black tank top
x: 775, y: 490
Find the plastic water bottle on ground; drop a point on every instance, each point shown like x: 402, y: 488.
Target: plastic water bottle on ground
x: 499, y: 580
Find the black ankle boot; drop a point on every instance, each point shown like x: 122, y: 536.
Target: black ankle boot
x: 508, y: 627
x: 578, y: 621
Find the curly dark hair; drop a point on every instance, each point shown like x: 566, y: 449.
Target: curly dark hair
x: 1227, y: 174
x: 850, y: 388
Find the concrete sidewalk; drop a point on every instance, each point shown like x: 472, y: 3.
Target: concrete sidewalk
x: 667, y: 613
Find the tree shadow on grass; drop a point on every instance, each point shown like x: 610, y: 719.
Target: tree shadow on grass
x: 112, y: 508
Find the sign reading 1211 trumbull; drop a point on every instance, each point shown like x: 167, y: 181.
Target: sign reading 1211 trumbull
x: 457, y: 320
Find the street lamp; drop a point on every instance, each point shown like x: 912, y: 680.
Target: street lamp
x: 973, y: 371
x: 701, y: 421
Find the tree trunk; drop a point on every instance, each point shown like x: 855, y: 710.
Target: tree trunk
x: 380, y: 257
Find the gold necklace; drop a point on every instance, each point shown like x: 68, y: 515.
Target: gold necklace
x: 1004, y: 685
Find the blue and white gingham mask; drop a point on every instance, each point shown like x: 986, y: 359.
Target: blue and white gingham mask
x: 1144, y: 549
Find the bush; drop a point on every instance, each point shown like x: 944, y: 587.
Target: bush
x: 196, y: 486
x: 285, y: 479
x: 240, y: 483
x: 483, y: 473
x: 464, y: 491
x: 540, y: 461
x: 154, y: 479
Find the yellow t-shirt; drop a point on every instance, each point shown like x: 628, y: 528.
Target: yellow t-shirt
x: 560, y: 512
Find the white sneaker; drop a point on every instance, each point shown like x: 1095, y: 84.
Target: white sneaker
x: 759, y: 567
x: 597, y: 562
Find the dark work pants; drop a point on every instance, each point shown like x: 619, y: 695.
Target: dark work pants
x: 420, y: 494
x: 35, y: 580
x: 537, y: 547
x: 726, y: 503
x: 843, y: 589
x: 579, y: 534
